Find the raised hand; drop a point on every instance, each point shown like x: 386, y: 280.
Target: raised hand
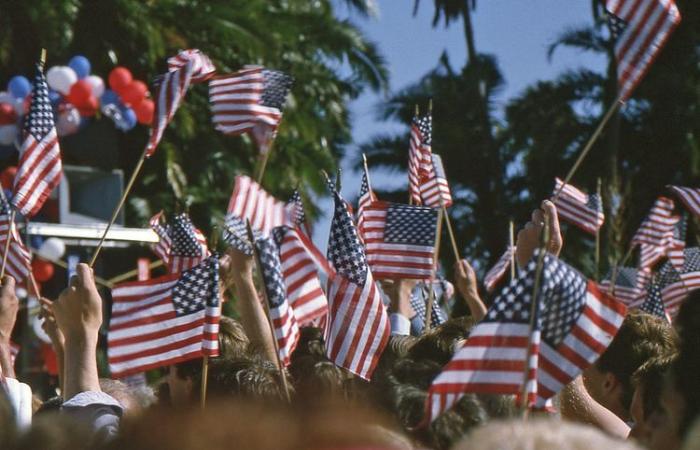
x: 529, y: 238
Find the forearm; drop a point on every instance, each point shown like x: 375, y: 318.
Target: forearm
x: 6, y: 366
x: 476, y: 306
x: 80, y: 366
x: 253, y: 317
x: 577, y: 405
x: 60, y: 363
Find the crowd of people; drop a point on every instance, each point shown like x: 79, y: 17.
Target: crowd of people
x: 643, y: 392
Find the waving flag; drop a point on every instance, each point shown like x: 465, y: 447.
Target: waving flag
x: 300, y: 274
x: 286, y: 330
x: 358, y: 327
x: 653, y: 302
x: 419, y: 155
x: 578, y: 208
x: 574, y: 324
x: 689, y: 196
x: 181, y: 246
x: 494, y: 275
x: 39, y: 169
x: 19, y: 259
x: 188, y: 66
x: 400, y: 240
x: 366, y: 199
x: 419, y: 301
x: 434, y: 189
x: 296, y: 208
x: 640, y: 28
x: 630, y: 284
x: 250, y: 101
x: 661, y: 234
x: 675, y: 284
x: 164, y: 320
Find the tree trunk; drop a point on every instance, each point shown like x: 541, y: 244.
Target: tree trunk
x: 468, y: 32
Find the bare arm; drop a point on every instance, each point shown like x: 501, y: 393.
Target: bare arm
x: 465, y: 280
x: 9, y: 305
x: 57, y: 340
x: 577, y: 405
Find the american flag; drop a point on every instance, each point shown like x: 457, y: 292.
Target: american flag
x: 296, y: 208
x: 419, y: 301
x: 630, y: 284
x: 250, y: 100
x: 181, y: 246
x: 39, y: 169
x: 640, y: 28
x: 358, y: 325
x: 19, y: 259
x: 188, y: 66
x: 578, y: 208
x: 165, y: 320
x: 366, y: 198
x: 575, y: 323
x: 677, y: 285
x: 286, y: 329
x: 419, y: 155
x: 300, y: 274
x: 494, y: 275
x: 689, y: 196
x: 400, y: 240
x: 653, y: 303
x: 660, y: 234
x: 434, y: 189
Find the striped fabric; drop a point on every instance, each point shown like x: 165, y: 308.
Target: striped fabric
x: 689, y: 196
x: 495, y: 274
x: 249, y: 201
x: 435, y: 190
x: 578, y: 208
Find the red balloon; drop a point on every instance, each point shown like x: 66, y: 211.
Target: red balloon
x: 42, y: 270
x: 144, y: 111
x: 7, y: 177
x: 119, y: 78
x: 80, y: 92
x: 89, y: 107
x: 134, y: 93
x: 8, y: 115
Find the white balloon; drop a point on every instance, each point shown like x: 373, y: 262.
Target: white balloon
x: 6, y: 97
x: 68, y: 121
x: 19, y: 106
x: 61, y: 78
x: 8, y: 133
x: 52, y: 249
x: 21, y: 292
x: 98, y: 86
x: 38, y: 331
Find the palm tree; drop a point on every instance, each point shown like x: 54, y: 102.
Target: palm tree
x: 450, y: 10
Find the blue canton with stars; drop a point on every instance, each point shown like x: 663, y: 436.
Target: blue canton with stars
x: 626, y: 277
x: 276, y: 86
x: 412, y: 225
x: 271, y: 271
x: 653, y: 303
x: 616, y: 25
x: 297, y: 208
x: 345, y: 252
x: 425, y: 125
x: 183, y: 237
x: 235, y: 234
x: 39, y: 121
x: 595, y: 203
x: 197, y: 288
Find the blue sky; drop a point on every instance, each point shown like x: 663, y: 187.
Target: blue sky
x: 518, y: 32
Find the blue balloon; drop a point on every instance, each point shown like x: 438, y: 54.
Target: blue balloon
x: 129, y: 118
x: 81, y: 65
x: 109, y: 97
x: 55, y: 97
x: 35, y: 240
x: 19, y: 86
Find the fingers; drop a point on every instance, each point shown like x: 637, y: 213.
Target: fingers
x: 8, y: 284
x: 552, y: 217
x: 85, y: 276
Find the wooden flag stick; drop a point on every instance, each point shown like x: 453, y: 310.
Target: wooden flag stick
x: 8, y: 236
x: 596, y: 134
x: 205, y: 379
x: 431, y: 290
x: 534, y: 305
x: 511, y: 239
x: 266, y: 306
x: 120, y: 205
x: 597, y: 241
x: 453, y: 241
x: 364, y: 162
x: 264, y: 157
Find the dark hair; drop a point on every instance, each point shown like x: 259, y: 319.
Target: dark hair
x: 649, y: 379
x: 640, y: 338
x: 314, y: 376
x: 439, y: 344
x: 233, y: 342
x: 686, y: 368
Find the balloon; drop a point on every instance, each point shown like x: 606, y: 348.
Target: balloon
x: 61, y: 78
x: 134, y: 92
x: 129, y: 117
x: 109, y: 97
x: 81, y: 65
x: 119, y: 78
x: 7, y: 177
x: 144, y: 111
x: 98, y: 86
x: 35, y: 240
x: 52, y: 248
x: 54, y: 97
x: 89, y: 107
x: 8, y: 134
x: 8, y: 115
x: 68, y: 120
x: 22, y: 105
x: 6, y: 97
x: 19, y: 86
x: 42, y: 270
x: 80, y: 92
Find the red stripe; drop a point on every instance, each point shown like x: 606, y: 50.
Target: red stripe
x: 154, y: 335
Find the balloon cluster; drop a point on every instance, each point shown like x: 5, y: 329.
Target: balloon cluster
x: 77, y: 95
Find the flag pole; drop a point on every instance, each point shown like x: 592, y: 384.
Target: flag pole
x: 266, y: 306
x: 263, y: 163
x: 534, y: 305
x: 364, y: 162
x: 597, y: 239
x: 511, y: 239
x: 596, y: 134
x: 205, y: 376
x: 431, y: 290
x: 8, y: 236
x: 120, y: 205
x: 416, y: 112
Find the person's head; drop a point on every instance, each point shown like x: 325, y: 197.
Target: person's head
x: 540, y: 434
x: 233, y: 342
x: 57, y: 432
x: 441, y: 343
x: 133, y: 399
x: 244, y: 378
x: 645, y: 409
x: 181, y: 382
x: 640, y: 338
x: 446, y: 430
x: 314, y: 377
